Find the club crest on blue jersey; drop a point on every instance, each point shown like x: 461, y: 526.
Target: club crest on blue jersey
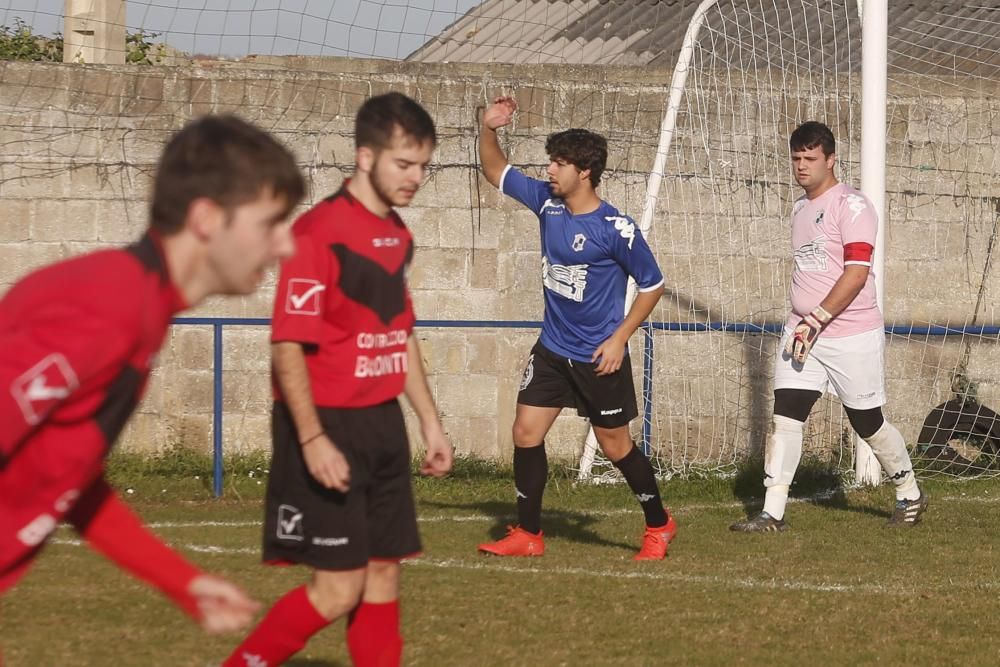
x: 578, y: 242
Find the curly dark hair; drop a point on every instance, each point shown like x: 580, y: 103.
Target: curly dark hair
x: 811, y: 134
x: 581, y: 148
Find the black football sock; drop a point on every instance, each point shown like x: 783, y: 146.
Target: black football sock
x: 531, y: 470
x: 638, y: 472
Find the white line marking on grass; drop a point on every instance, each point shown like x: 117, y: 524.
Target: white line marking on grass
x: 966, y: 499
x: 199, y: 524
x: 741, y: 582
x: 487, y: 564
x: 456, y: 564
x: 197, y: 548
x: 472, y: 518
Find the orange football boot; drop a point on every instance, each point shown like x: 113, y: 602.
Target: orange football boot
x: 655, y: 541
x: 518, y: 542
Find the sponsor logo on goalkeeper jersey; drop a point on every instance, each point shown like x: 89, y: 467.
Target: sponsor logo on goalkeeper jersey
x: 567, y: 281
x: 811, y: 256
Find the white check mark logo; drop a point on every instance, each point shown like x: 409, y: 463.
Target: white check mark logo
x: 300, y: 300
x: 38, y: 390
x: 289, y: 526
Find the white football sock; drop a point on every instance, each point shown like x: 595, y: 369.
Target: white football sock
x: 781, y: 459
x: 775, y: 499
x: 890, y: 449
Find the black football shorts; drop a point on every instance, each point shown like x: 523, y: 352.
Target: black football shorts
x: 376, y: 519
x: 551, y: 381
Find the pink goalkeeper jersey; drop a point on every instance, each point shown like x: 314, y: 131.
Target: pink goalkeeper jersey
x: 820, y: 229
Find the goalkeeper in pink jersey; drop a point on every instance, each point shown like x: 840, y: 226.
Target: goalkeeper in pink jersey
x: 834, y: 335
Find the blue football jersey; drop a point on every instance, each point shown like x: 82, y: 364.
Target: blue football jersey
x: 586, y: 262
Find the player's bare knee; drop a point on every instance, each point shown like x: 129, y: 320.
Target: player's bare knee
x: 336, y: 593
x: 382, y: 584
x: 616, y: 443
x: 525, y: 435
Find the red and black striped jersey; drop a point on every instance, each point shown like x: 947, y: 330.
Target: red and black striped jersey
x: 343, y: 295
x: 77, y: 340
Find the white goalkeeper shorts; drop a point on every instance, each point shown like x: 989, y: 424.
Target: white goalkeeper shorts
x: 852, y: 367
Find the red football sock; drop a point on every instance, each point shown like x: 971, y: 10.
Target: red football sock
x: 373, y: 635
x: 284, y: 631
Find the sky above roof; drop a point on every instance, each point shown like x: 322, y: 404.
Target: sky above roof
x: 381, y: 28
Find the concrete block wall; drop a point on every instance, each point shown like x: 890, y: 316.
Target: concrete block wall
x: 78, y: 146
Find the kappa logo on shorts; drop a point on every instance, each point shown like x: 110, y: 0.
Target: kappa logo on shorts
x: 303, y: 296
x: 529, y: 372
x: 42, y: 386
x: 290, y: 523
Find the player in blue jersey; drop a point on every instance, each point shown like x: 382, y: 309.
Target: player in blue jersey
x: 589, y: 250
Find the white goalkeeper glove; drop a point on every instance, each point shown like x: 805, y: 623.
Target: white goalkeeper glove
x: 805, y: 334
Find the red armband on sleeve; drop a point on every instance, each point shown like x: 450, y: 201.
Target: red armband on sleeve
x: 113, y: 530
x: 858, y: 252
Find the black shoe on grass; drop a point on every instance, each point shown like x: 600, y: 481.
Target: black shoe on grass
x: 762, y: 523
x: 908, y: 512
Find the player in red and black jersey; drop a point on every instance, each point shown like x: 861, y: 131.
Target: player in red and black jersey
x: 339, y: 496
x: 77, y: 340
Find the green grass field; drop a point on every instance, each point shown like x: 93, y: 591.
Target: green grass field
x: 837, y: 589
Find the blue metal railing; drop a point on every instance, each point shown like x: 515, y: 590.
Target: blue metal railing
x: 217, y: 324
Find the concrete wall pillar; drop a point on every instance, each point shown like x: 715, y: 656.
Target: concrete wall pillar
x: 94, y: 32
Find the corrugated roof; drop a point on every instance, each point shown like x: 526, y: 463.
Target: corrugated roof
x: 925, y: 36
